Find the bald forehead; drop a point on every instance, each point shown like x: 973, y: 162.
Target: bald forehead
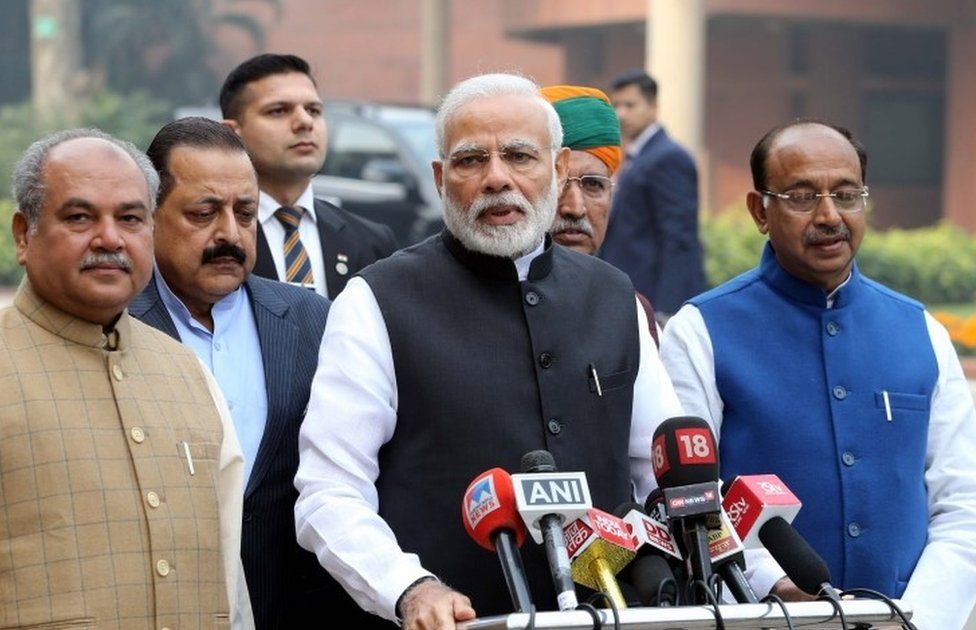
x: 87, y: 149
x: 806, y: 135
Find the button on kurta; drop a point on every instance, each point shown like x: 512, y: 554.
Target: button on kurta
x: 152, y: 499
x: 848, y: 458
x: 555, y: 427
x: 117, y: 372
x: 833, y: 328
x: 138, y: 435
x: 545, y: 360
x: 162, y: 568
x: 840, y: 393
x: 854, y: 529
x: 532, y: 298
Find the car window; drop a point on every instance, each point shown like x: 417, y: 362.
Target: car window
x: 354, y: 143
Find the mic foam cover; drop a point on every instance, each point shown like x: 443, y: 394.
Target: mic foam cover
x: 684, y: 452
x: 646, y: 576
x: 794, y: 554
x: 489, y: 506
x: 625, y: 508
x: 537, y: 462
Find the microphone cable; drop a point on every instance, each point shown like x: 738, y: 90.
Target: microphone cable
x: 776, y: 599
x: 710, y: 596
x: 531, y: 624
x: 663, y: 591
x: 838, y: 609
x: 590, y: 608
x: 609, y: 600
x: 905, y: 622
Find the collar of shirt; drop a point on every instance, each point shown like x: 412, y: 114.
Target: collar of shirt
x: 832, y: 296
x: 267, y: 204
x: 523, y: 263
x: 637, y: 144
x: 221, y: 311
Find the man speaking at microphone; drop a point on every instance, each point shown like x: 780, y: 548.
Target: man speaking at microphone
x: 462, y: 353
x: 851, y: 393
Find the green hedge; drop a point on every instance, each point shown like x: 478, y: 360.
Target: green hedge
x: 10, y: 271
x: 934, y: 265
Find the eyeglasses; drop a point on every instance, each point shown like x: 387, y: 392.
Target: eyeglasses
x: 805, y: 200
x: 593, y: 186
x: 470, y: 163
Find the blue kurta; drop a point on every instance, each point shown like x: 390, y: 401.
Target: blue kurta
x: 804, y: 389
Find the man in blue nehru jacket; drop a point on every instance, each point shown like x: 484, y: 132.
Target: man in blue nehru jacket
x: 848, y: 391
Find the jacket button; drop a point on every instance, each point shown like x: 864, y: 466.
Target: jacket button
x: 138, y: 435
x: 532, y: 298
x: 555, y: 427
x: 545, y: 360
x: 833, y: 328
x: 848, y: 458
x: 854, y: 529
x: 840, y: 393
x: 152, y: 499
x: 162, y: 568
x: 247, y: 517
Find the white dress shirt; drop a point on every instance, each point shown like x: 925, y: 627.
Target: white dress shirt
x: 308, y: 233
x: 352, y: 413
x: 942, y: 589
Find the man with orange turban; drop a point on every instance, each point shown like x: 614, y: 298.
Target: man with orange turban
x: 591, y: 130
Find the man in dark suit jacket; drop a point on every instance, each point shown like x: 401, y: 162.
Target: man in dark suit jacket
x: 259, y: 337
x: 272, y: 103
x: 653, y: 231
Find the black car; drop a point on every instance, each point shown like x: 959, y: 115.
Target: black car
x: 378, y: 166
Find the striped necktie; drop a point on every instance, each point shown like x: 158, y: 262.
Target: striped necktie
x: 298, y: 267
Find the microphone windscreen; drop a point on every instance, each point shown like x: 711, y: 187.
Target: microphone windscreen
x: 537, y: 462
x: 489, y: 507
x: 795, y: 555
x: 684, y: 452
x: 646, y: 576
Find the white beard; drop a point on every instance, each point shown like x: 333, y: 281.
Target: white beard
x: 507, y: 241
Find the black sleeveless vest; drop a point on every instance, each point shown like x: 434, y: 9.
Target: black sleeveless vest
x: 487, y: 369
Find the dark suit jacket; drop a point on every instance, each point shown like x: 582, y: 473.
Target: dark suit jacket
x: 653, y: 231
x: 341, y: 233
x: 286, y: 583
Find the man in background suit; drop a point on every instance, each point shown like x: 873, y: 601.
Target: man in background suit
x: 272, y: 103
x: 259, y: 337
x: 653, y: 230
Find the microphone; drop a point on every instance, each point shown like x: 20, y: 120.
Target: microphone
x: 657, y: 557
x: 546, y: 499
x: 751, y: 500
x: 725, y: 551
x: 685, y: 464
x: 491, y: 519
x: 599, y: 546
x: 795, y: 555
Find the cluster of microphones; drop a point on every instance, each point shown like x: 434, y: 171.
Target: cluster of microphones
x: 680, y: 548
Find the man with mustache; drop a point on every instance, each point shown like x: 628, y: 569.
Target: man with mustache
x: 592, y: 134
x: 463, y: 353
x: 259, y: 337
x: 119, y: 467
x: 849, y: 392
x: 272, y: 103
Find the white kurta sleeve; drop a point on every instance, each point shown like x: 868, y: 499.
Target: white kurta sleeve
x: 351, y: 414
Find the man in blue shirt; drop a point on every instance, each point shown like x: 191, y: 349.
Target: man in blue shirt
x: 259, y: 337
x: 849, y: 392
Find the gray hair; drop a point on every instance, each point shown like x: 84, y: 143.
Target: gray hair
x: 489, y: 85
x: 28, y: 180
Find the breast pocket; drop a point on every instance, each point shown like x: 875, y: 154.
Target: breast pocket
x: 897, y: 405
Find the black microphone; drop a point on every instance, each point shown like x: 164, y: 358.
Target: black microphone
x: 651, y: 572
x: 802, y: 564
x: 728, y: 561
x: 546, y: 501
x: 685, y: 462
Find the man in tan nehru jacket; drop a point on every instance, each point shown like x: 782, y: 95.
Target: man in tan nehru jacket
x: 120, y: 474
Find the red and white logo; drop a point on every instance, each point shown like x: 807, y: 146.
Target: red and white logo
x: 659, y: 457
x: 695, y: 446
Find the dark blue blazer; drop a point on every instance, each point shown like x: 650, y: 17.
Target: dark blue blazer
x: 653, y: 231
x: 286, y: 583
x: 345, y: 237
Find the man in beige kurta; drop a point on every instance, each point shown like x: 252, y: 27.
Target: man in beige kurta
x: 120, y: 475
